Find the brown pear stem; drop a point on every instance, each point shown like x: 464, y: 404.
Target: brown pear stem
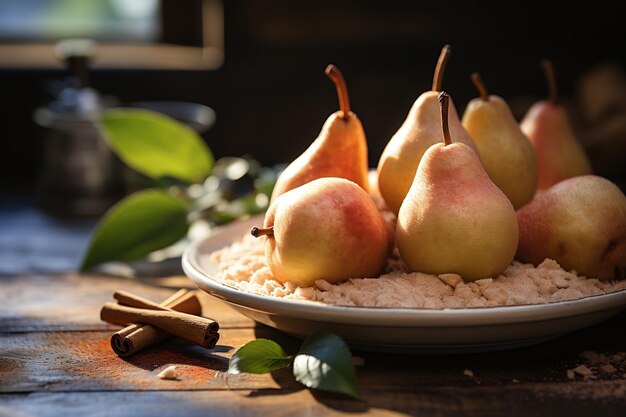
x: 444, y: 102
x: 342, y: 90
x: 441, y: 66
x: 548, y: 70
x: 480, y: 86
x: 257, y: 231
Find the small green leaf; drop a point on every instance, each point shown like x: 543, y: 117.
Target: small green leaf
x: 157, y: 145
x: 137, y: 225
x: 259, y: 357
x: 324, y: 362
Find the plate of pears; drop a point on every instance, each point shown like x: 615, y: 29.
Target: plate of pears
x: 468, y: 196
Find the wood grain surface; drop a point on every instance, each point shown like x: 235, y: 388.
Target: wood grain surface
x: 55, y: 359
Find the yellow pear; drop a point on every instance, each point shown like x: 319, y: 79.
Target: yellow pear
x: 506, y: 154
x: 454, y: 219
x: 340, y: 150
x: 401, y: 156
x: 559, y: 153
x: 329, y: 229
x: 580, y: 223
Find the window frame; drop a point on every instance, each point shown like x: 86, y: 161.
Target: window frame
x: 163, y: 55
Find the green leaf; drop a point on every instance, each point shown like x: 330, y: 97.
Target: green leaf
x: 259, y: 357
x: 137, y: 225
x: 324, y: 362
x: 157, y: 145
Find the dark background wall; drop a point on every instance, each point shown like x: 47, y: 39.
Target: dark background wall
x: 271, y: 96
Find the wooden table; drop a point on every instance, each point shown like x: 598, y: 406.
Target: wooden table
x: 55, y: 360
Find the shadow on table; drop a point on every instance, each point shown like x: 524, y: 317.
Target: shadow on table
x: 400, y: 382
x: 182, y: 353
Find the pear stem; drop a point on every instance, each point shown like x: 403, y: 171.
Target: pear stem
x: 480, y: 86
x: 256, y: 231
x: 342, y: 90
x: 444, y: 102
x: 441, y: 66
x: 548, y: 70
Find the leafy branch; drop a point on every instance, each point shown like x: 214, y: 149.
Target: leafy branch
x: 185, y: 185
x: 323, y: 362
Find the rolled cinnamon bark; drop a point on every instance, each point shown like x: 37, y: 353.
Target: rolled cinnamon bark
x: 190, y: 327
x: 187, y: 302
x: 137, y: 337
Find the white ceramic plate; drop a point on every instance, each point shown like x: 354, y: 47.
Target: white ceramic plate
x: 399, y: 329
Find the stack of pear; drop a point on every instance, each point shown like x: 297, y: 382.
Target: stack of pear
x: 454, y: 219
x: 402, y: 155
x: 506, y: 153
x: 580, y: 223
x: 340, y: 150
x: 559, y: 153
x: 326, y: 229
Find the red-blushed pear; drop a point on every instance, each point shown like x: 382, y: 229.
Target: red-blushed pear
x: 340, y: 150
x: 506, y: 154
x: 420, y: 130
x: 580, y: 223
x: 454, y: 219
x: 326, y: 229
x: 559, y: 153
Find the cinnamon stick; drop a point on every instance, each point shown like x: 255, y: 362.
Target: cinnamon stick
x: 137, y: 337
x: 131, y: 300
x: 193, y: 328
x: 186, y: 302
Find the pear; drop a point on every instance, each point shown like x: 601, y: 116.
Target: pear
x: 580, y: 223
x: 506, y: 154
x: 326, y: 229
x: 340, y: 150
x: 454, y: 219
x: 401, y: 156
x: 559, y: 153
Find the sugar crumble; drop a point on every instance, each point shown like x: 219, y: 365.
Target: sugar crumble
x: 243, y: 266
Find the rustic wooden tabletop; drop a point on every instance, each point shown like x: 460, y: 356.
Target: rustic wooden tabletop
x: 55, y: 358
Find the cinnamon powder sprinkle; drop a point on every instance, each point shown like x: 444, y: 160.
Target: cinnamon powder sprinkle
x: 243, y: 267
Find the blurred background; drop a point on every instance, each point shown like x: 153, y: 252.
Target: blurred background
x: 254, y: 69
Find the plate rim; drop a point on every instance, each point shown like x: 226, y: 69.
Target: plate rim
x: 392, y: 316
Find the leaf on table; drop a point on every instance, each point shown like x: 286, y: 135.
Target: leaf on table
x: 157, y: 145
x: 137, y: 225
x: 324, y: 362
x: 259, y: 356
